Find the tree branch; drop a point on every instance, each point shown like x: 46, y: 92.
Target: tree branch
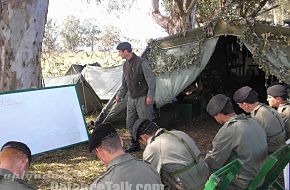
x: 180, y: 7
x: 274, y: 7
x: 190, y: 7
x: 155, y: 6
x: 256, y: 11
x: 164, y: 22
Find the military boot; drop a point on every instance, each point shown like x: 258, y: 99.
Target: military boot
x: 135, y: 146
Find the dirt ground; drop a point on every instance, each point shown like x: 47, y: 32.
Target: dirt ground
x: 75, y: 168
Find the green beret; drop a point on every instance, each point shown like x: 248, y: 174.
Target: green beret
x: 99, y: 134
x: 277, y: 90
x: 19, y: 146
x: 216, y: 104
x: 242, y: 94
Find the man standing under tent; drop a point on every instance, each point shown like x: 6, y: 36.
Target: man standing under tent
x: 278, y: 98
x: 139, y: 81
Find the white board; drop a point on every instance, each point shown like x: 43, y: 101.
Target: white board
x: 45, y: 119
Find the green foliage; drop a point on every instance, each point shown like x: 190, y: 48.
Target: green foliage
x: 58, y: 64
x: 54, y: 65
x: 168, y: 5
x: 50, y: 42
x: 90, y: 33
x: 71, y: 33
x: 207, y: 9
x: 109, y: 37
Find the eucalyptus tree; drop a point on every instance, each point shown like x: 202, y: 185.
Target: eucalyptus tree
x: 22, y: 29
x: 182, y: 15
x: 109, y: 37
x: 71, y: 33
x: 177, y: 16
x: 90, y: 34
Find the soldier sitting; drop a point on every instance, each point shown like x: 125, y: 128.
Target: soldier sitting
x: 174, y: 154
x: 240, y: 137
x: 278, y: 98
x: 15, y: 158
x: 123, y: 170
x: 270, y: 120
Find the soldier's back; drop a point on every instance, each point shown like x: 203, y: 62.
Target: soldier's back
x: 14, y: 184
x: 273, y: 124
x: 128, y: 173
x: 284, y: 111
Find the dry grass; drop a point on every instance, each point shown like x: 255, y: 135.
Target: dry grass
x: 73, y: 166
x: 76, y: 168
x: 58, y: 64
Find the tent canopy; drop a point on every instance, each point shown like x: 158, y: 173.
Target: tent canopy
x: 178, y: 60
x: 104, y: 81
x: 90, y: 102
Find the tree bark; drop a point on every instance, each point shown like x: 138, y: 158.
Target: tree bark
x: 22, y: 28
x: 181, y: 19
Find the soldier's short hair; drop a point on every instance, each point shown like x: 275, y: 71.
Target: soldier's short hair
x: 18, y: 146
x: 100, y: 134
x: 12, y: 155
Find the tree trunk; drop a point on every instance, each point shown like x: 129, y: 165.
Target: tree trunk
x: 182, y: 16
x: 22, y: 28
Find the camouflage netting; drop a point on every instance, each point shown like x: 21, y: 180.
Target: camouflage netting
x: 270, y: 46
x: 175, y: 54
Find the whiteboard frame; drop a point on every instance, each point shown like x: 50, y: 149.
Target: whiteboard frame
x: 55, y: 87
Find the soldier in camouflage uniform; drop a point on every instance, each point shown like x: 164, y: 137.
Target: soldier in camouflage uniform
x: 240, y: 137
x: 270, y: 119
x: 15, y: 158
x: 123, y: 170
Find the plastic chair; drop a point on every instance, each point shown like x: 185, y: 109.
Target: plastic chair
x: 270, y: 171
x: 222, y: 178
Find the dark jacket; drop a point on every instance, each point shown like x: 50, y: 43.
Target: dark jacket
x: 138, y: 78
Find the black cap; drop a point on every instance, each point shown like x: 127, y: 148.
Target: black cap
x: 19, y: 146
x: 99, y: 134
x: 277, y: 90
x: 217, y: 104
x: 141, y: 126
x: 124, y: 46
x: 242, y: 94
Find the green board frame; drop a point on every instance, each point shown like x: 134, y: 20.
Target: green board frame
x: 46, y: 119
